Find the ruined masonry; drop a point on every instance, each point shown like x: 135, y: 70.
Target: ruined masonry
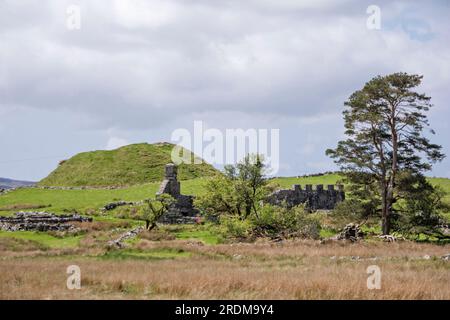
x: 317, y: 199
x: 182, y: 211
x: 40, y: 221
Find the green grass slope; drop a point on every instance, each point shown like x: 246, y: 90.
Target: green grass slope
x: 130, y: 165
x: 60, y: 201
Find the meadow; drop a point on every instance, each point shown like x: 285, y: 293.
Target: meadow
x: 179, y: 269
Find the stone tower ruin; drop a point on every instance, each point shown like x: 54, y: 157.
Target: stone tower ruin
x: 182, y: 211
x: 170, y: 184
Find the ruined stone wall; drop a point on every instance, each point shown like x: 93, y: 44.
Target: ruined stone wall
x: 40, y: 221
x: 182, y: 211
x: 314, y: 199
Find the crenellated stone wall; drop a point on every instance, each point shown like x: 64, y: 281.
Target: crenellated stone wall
x: 315, y: 199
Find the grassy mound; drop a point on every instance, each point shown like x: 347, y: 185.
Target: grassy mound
x: 126, y: 166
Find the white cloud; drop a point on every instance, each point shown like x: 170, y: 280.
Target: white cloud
x: 139, y: 13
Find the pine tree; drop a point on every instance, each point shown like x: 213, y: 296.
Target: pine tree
x: 385, y: 124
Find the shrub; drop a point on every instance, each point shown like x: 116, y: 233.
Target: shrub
x: 272, y: 222
x: 281, y: 222
x: 420, y: 206
x: 235, y: 227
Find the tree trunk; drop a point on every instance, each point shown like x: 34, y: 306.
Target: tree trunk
x: 149, y: 226
x: 248, y: 209
x: 389, y: 203
x: 385, y: 210
x: 386, y: 225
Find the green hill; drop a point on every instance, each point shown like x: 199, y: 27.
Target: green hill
x: 128, y: 165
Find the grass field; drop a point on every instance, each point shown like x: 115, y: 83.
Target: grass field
x: 80, y: 200
x: 180, y: 269
x: 287, y: 182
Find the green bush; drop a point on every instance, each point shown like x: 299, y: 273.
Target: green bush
x: 275, y: 222
x: 272, y: 222
x: 235, y: 227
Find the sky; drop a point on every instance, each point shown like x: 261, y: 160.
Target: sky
x: 136, y: 71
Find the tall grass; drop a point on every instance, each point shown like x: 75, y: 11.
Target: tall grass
x: 296, y: 270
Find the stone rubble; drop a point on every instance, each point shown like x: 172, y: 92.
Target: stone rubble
x: 350, y: 232
x: 387, y: 238
x: 445, y: 229
x: 118, y: 243
x: 113, y: 205
x: 40, y: 221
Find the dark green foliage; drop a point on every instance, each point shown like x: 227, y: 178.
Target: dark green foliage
x: 419, y: 205
x: 352, y: 210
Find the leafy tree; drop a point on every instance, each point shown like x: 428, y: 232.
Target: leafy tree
x: 384, y: 125
x: 237, y: 200
x: 363, y: 200
x: 153, y: 209
x: 219, y: 198
x: 238, y: 191
x: 248, y: 178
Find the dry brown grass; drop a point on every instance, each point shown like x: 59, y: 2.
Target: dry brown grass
x: 293, y: 270
x: 100, y: 225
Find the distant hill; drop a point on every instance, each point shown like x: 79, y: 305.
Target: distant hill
x: 10, y: 183
x: 128, y: 165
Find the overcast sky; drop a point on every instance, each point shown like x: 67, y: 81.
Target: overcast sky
x: 137, y: 70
